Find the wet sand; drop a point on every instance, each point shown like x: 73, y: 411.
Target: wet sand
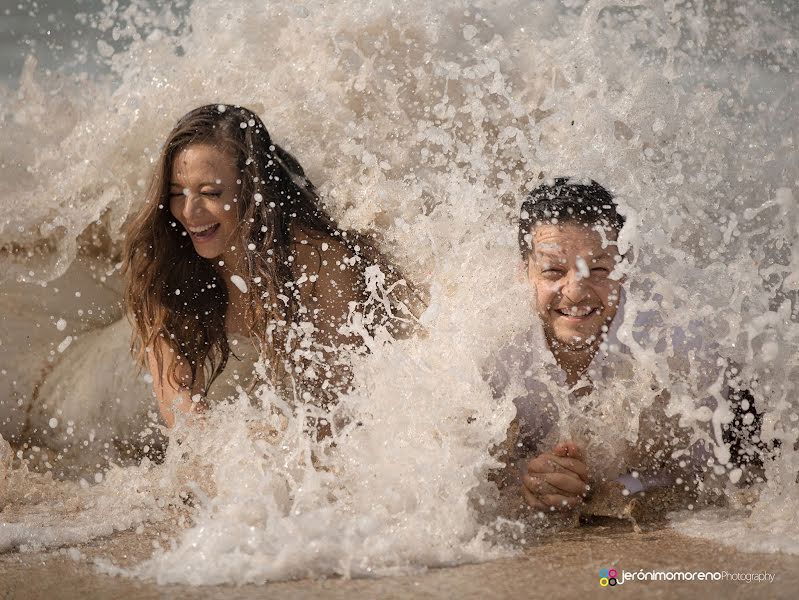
x: 566, y: 565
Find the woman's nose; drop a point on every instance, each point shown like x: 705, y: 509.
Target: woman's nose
x: 191, y: 205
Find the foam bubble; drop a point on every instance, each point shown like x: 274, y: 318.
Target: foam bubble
x: 239, y: 282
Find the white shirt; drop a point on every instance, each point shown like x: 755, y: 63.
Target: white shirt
x: 604, y: 420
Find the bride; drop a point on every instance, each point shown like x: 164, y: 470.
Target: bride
x: 233, y: 259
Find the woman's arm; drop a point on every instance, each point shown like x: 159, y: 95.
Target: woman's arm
x: 174, y: 397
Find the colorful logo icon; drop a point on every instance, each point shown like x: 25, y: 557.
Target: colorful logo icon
x: 608, y: 577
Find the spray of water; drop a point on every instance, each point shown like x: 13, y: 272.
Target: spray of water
x: 425, y: 122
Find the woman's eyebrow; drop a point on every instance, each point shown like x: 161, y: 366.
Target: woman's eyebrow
x: 215, y: 182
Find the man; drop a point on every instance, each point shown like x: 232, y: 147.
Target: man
x: 584, y: 375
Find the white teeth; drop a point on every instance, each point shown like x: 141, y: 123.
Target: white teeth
x: 201, y: 229
x: 576, y: 311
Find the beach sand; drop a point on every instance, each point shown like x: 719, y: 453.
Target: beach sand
x: 565, y: 565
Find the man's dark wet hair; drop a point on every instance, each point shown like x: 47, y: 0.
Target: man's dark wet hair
x: 566, y: 200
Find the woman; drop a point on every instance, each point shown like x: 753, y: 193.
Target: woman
x: 233, y: 257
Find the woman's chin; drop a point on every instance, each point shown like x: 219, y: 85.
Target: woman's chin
x: 209, y: 253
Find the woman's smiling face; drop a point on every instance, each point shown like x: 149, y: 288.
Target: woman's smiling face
x: 203, y: 197
x: 570, y: 271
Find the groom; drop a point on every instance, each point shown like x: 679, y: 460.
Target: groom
x: 567, y: 236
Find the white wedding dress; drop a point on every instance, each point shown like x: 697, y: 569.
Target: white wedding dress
x: 69, y: 381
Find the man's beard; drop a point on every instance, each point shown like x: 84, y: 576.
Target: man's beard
x: 574, y: 344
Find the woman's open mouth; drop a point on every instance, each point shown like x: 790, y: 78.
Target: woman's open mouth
x: 204, y: 233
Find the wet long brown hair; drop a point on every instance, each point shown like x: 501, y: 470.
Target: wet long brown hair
x: 275, y: 199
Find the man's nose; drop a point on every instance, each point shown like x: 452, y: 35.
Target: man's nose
x: 575, y: 286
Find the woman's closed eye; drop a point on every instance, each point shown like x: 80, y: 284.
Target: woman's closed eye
x: 208, y: 193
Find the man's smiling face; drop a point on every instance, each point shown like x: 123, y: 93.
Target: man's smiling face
x: 570, y: 272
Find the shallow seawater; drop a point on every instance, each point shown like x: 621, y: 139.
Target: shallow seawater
x: 425, y: 122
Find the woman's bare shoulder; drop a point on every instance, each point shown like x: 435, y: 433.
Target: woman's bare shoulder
x: 327, y: 259
x: 328, y: 277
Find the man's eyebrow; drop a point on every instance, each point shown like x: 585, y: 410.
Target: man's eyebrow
x: 548, y: 255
